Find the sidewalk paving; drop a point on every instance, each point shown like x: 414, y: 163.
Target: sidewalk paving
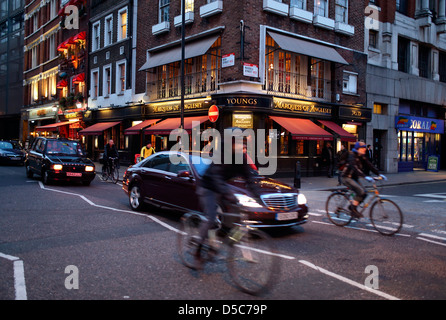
x: 325, y: 184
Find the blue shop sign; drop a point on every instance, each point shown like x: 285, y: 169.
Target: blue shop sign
x: 408, y: 123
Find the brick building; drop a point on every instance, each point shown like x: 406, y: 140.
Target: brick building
x: 286, y: 65
x: 54, y: 61
x: 11, y: 67
x: 406, y: 83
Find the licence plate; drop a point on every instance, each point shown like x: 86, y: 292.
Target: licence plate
x: 15, y: 158
x: 286, y: 216
x: 74, y: 174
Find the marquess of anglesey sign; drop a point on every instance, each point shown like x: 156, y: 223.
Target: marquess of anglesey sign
x: 301, y: 107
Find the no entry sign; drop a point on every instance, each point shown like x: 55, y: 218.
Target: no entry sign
x: 213, y: 113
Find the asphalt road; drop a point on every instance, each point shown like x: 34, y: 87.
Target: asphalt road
x: 64, y: 242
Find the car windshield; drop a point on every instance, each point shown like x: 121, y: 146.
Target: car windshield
x: 69, y: 148
x: 6, y: 145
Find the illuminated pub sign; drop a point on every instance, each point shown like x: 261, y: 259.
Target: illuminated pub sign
x: 302, y: 107
x: 408, y: 123
x: 175, y: 106
x: 355, y: 113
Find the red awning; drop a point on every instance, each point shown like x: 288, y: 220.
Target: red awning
x: 137, y: 129
x: 344, y: 135
x: 64, y: 45
x: 80, y: 36
x: 62, y: 84
x: 79, y: 78
x: 303, y: 129
x: 98, y: 128
x: 53, y: 126
x: 166, y: 126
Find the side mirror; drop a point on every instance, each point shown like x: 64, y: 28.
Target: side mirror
x: 184, y: 174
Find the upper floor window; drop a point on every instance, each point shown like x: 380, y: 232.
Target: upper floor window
x: 301, y: 4
x: 403, y: 54
x: 401, y: 6
x: 189, y: 6
x: 122, y: 24
x: 342, y: 11
x: 424, y: 65
x: 164, y: 10
x: 321, y: 8
x: 96, y: 43
x: 108, y: 30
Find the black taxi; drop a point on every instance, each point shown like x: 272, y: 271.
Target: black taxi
x: 56, y: 159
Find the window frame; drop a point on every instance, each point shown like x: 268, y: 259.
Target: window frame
x: 108, y: 30
x: 120, y: 24
x: 96, y: 36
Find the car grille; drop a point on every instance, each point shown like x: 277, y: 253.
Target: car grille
x: 280, y: 201
x: 73, y: 167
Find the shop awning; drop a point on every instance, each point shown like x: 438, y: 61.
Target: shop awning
x: 79, y: 78
x: 80, y: 36
x: 166, y: 126
x: 137, y: 128
x: 52, y: 126
x: 62, y: 84
x: 192, y: 49
x: 303, y: 129
x: 307, y: 48
x: 344, y: 135
x: 64, y: 45
x: 98, y: 128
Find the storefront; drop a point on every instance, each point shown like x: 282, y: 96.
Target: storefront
x: 418, y: 139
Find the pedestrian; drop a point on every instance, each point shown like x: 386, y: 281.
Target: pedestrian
x: 328, y: 159
x: 147, y: 150
x: 341, y: 158
x: 369, y: 156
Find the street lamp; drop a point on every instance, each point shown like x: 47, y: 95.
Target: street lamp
x: 183, y: 32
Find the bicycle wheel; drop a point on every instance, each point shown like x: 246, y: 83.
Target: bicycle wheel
x: 337, y: 209
x: 104, y: 175
x: 386, y: 217
x: 188, y: 237
x: 252, y: 262
x: 114, y: 175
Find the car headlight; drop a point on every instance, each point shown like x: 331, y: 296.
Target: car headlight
x: 57, y: 167
x: 89, y: 168
x: 247, y: 201
x: 301, y: 199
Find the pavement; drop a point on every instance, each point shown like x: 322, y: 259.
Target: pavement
x: 324, y: 183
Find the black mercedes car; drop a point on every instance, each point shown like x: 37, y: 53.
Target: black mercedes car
x: 59, y: 160
x: 11, y: 153
x: 158, y: 181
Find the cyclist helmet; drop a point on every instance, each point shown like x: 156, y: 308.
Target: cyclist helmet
x: 358, y: 145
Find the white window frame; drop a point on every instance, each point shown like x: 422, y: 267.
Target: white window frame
x: 52, y: 46
x: 341, y: 7
x: 301, y: 4
x: 119, y: 76
x: 105, y: 83
x: 350, y: 83
x: 120, y: 24
x: 94, y: 94
x: 326, y: 11
x: 96, y: 36
x: 108, y: 30
x: 34, y: 57
x: 161, y: 17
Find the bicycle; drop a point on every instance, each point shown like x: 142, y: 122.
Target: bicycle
x: 385, y: 215
x: 111, y: 172
x: 251, y: 259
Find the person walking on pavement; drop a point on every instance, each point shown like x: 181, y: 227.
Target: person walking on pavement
x: 341, y: 158
x: 328, y: 158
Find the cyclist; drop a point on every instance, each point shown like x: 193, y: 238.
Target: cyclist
x: 354, y: 169
x: 213, y: 188
x: 110, y: 151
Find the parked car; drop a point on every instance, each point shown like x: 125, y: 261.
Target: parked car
x: 157, y: 181
x: 59, y: 160
x: 11, y: 153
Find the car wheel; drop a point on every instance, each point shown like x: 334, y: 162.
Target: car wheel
x: 135, y: 198
x: 29, y: 173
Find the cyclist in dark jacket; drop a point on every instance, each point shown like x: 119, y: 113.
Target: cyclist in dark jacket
x: 110, y: 151
x: 354, y: 169
x: 213, y: 189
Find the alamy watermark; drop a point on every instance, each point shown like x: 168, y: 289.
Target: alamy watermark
x: 220, y: 149
x: 72, y: 17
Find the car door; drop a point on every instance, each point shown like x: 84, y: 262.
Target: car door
x: 153, y: 174
x: 181, y: 190
x: 35, y: 155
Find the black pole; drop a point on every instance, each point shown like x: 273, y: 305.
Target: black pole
x: 183, y: 18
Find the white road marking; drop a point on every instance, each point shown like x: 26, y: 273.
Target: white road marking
x: 19, y: 276
x: 348, y: 281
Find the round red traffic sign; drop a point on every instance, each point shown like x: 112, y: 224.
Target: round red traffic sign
x: 213, y: 113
